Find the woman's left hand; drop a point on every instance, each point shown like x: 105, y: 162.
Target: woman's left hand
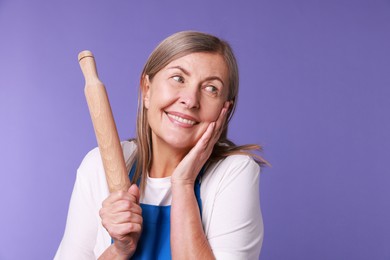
x: 188, y: 169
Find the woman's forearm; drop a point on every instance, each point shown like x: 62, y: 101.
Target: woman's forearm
x: 188, y: 240
x: 112, y: 253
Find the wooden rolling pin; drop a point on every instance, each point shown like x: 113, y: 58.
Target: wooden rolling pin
x: 104, y: 125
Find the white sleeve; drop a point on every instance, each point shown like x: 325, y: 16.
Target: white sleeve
x: 82, y: 223
x: 235, y: 228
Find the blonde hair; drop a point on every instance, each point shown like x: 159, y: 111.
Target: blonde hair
x: 172, y: 48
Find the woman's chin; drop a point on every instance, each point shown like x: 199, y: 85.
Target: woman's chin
x: 180, y: 144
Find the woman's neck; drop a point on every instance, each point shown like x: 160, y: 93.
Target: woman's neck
x: 165, y: 159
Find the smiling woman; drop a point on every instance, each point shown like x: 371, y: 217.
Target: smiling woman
x: 195, y: 194
x: 183, y: 99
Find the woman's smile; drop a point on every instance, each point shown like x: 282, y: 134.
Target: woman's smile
x: 181, y: 120
x: 183, y: 98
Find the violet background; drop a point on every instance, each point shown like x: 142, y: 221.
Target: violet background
x: 315, y: 92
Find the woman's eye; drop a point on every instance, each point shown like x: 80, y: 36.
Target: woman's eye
x: 179, y: 79
x: 211, y: 89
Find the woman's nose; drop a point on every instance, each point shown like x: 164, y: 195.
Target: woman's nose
x: 189, y: 97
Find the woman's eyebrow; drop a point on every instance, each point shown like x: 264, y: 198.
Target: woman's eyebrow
x: 187, y: 73
x: 215, y: 78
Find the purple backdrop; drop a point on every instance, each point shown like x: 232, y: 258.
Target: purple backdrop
x: 315, y: 91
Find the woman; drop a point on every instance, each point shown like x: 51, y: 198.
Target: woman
x: 195, y: 195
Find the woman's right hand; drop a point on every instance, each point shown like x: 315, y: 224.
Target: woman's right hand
x: 121, y: 215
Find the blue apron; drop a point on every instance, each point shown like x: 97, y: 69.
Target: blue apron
x: 155, y: 240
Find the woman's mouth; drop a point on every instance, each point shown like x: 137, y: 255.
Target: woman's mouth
x: 180, y: 119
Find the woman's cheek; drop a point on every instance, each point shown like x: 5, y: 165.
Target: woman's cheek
x: 212, y: 112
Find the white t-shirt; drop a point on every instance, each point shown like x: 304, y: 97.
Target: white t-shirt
x: 231, y: 214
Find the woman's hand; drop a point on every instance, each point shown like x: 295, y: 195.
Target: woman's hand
x: 188, y: 240
x: 188, y: 169
x: 121, y: 215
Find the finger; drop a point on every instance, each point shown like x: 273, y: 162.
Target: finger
x: 109, y: 219
x: 131, y: 218
x: 116, y: 196
x: 204, y: 140
x: 121, y: 230
x: 200, y: 147
x: 214, y: 129
x: 113, y: 210
x: 134, y: 192
x: 126, y: 217
x: 222, y: 116
x: 125, y: 205
x: 121, y: 218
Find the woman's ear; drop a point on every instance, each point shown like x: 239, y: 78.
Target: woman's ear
x: 146, y: 91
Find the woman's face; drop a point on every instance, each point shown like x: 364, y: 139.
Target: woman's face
x: 184, y: 98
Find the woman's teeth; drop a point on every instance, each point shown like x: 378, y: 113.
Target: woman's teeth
x: 182, y: 120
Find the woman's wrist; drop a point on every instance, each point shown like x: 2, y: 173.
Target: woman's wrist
x: 182, y: 185
x: 112, y: 252
x: 119, y: 253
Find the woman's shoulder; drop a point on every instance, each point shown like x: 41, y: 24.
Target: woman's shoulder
x: 233, y: 168
x: 236, y: 163
x: 231, y: 207
x: 92, y: 162
x: 91, y: 178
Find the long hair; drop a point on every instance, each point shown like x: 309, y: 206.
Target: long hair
x: 172, y: 48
